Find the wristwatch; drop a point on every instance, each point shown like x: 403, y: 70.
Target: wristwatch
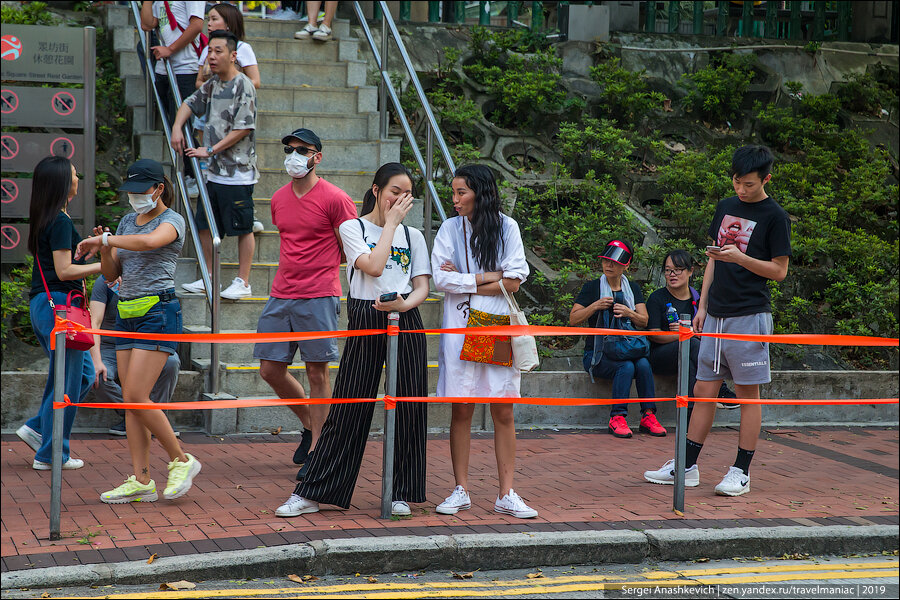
x: 105, y: 238
x: 210, y: 151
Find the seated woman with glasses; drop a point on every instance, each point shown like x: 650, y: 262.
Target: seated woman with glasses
x: 678, y: 268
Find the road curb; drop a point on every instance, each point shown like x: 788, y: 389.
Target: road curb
x: 471, y: 551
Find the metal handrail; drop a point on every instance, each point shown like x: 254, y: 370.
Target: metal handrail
x: 386, y: 89
x: 210, y: 276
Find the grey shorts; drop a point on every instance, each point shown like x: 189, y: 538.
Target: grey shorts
x: 299, y: 315
x: 745, y: 363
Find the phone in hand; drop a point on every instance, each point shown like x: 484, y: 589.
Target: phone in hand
x: 389, y: 297
x: 713, y: 248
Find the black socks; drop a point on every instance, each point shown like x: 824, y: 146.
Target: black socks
x: 743, y: 459
x: 691, y: 453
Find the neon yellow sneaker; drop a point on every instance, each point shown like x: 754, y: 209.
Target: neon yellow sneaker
x: 181, y: 475
x: 131, y: 491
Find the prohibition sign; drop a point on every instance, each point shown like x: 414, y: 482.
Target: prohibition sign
x: 63, y: 103
x: 62, y: 146
x: 9, y: 102
x: 9, y: 191
x: 9, y: 147
x: 9, y: 237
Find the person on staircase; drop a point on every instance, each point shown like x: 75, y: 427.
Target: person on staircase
x: 320, y: 32
x: 603, y: 301
x: 306, y: 292
x: 57, y: 272
x: 227, y: 17
x: 473, y: 252
x: 387, y: 265
x: 144, y: 252
x: 228, y: 97
x: 180, y: 25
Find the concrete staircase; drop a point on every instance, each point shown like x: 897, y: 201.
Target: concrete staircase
x: 321, y: 86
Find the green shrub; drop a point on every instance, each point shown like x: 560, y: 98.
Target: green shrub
x: 14, y: 294
x: 717, y: 90
x: 625, y: 95
x: 862, y: 93
x: 594, y: 144
x: 30, y: 13
x: 822, y: 108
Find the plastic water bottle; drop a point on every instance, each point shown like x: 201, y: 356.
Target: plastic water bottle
x: 204, y: 168
x: 671, y: 314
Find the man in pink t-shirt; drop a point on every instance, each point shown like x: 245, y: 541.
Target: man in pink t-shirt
x: 306, y: 293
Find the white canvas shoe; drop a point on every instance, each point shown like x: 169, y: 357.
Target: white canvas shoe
x: 455, y: 502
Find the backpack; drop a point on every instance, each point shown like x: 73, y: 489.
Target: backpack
x: 198, y: 46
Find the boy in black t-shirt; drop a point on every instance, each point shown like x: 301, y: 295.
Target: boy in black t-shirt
x: 752, y: 236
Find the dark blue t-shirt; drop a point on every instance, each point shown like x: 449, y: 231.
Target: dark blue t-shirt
x: 60, y: 234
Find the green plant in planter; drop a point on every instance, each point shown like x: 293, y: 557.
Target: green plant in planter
x: 717, y: 90
x: 862, y: 93
x: 30, y: 13
x: 594, y: 144
x: 625, y: 95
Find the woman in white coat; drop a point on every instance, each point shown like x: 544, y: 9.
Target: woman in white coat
x: 472, y: 253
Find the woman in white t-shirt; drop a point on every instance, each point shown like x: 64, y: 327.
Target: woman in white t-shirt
x: 228, y: 17
x: 384, y: 257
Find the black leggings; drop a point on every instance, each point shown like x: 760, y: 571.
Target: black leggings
x: 335, y: 463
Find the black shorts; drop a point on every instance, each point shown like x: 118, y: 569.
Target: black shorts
x: 232, y: 206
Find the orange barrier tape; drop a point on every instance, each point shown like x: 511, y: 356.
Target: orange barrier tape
x: 390, y: 402
x: 535, y: 330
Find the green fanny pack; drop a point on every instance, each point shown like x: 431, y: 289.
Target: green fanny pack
x: 129, y: 309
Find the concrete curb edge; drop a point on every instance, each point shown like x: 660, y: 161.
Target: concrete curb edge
x: 471, y: 551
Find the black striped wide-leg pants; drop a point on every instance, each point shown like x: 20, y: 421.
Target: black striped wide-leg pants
x: 335, y: 463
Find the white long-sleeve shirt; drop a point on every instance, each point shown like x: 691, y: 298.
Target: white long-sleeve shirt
x: 459, y: 377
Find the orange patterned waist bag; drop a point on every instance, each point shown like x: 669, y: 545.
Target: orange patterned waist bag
x: 490, y: 349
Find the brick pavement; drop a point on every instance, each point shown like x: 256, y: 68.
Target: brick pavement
x: 578, y: 480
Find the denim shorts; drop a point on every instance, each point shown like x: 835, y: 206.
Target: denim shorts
x: 163, y: 317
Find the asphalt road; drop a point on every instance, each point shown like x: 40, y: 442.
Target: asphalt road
x: 853, y: 576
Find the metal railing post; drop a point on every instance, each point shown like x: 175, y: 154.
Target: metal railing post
x: 512, y: 13
x: 650, y: 18
x: 90, y: 126
x: 59, y: 389
x: 405, y: 10
x: 484, y: 13
x: 818, y: 20
x: 747, y: 19
x: 674, y: 16
x: 771, y: 20
x: 796, y: 20
x: 429, y: 177
x: 148, y: 81
x: 698, y: 18
x: 459, y: 12
x: 390, y: 416
x: 382, y: 88
x: 537, y: 16
x: 843, y: 22
x: 434, y: 12
x: 722, y: 19
x: 684, y: 360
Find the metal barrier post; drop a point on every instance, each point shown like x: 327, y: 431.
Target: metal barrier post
x: 684, y: 361
x: 390, y: 416
x: 59, y: 389
x: 429, y: 176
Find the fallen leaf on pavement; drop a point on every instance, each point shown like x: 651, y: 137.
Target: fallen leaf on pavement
x: 702, y: 560
x: 177, y: 585
x: 151, y: 559
x: 537, y: 575
x: 295, y: 578
x: 468, y: 575
x: 277, y: 431
x: 372, y: 579
x: 45, y: 595
x: 678, y: 512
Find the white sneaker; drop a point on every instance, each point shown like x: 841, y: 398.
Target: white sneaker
x: 195, y: 287
x: 323, y: 34
x: 30, y: 437
x: 192, y: 189
x: 455, y: 502
x: 735, y: 483
x: 666, y: 475
x: 399, y: 508
x: 295, y: 506
x: 258, y: 227
x: 69, y: 465
x: 306, y: 32
x: 512, y: 504
x: 238, y: 289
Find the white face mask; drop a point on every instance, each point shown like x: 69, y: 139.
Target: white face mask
x: 142, y: 203
x: 296, y: 165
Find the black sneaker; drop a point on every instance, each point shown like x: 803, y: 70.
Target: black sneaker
x: 301, y: 454
x: 305, y: 468
x: 725, y: 392
x: 118, y: 428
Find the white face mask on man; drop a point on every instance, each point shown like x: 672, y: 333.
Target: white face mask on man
x: 296, y: 165
x: 142, y: 203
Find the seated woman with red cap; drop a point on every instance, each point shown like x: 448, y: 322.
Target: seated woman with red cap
x: 611, y: 302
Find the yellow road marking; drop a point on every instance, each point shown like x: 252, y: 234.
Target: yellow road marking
x: 552, y: 585
x: 768, y: 569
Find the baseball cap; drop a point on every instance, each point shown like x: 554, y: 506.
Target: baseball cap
x: 141, y: 175
x: 304, y: 135
x: 617, y: 251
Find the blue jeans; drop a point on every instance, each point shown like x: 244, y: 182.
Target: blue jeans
x: 621, y: 372
x: 79, y: 378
